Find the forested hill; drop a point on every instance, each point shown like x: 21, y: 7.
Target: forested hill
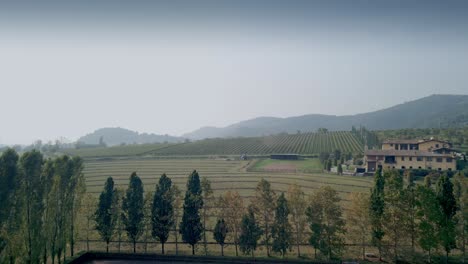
x: 115, y: 136
x: 429, y: 112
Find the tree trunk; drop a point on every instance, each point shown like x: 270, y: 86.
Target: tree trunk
x: 237, y: 253
x: 120, y: 238
x: 72, y: 239
x: 29, y: 233
x: 222, y: 250
x: 134, y: 246
x: 107, y: 246
x: 176, y: 245
x: 298, y: 240
x: 162, y: 248
x: 193, y: 249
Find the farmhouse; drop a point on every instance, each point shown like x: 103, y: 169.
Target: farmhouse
x: 427, y: 154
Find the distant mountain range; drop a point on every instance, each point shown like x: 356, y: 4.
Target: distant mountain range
x: 115, y: 136
x: 428, y: 112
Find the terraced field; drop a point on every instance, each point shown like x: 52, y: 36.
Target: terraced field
x: 224, y: 175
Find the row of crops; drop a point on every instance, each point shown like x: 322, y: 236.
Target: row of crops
x: 224, y: 175
x: 307, y: 143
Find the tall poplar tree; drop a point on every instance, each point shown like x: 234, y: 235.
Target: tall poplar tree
x: 106, y: 215
x: 232, y: 210
x: 376, y: 210
x: 460, y: 190
x: 250, y: 233
x: 220, y: 233
x: 281, y: 231
x: 448, y: 206
x: 31, y: 170
x: 9, y: 182
x: 208, y: 201
x: 133, y: 211
x: 162, y: 214
x: 297, y: 205
x: 177, y: 206
x: 358, y: 221
x: 264, y: 208
x: 428, y: 215
x: 326, y: 222
x: 191, y: 226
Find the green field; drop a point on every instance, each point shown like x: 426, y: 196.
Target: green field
x: 304, y: 165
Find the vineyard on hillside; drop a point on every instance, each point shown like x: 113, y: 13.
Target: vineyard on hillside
x: 307, y: 143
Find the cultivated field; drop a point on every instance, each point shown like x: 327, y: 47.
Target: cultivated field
x: 305, y: 144
x: 224, y: 175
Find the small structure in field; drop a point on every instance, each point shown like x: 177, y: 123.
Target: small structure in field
x: 284, y: 156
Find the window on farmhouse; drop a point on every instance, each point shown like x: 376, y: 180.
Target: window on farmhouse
x: 439, y: 159
x: 410, y: 158
x: 429, y: 159
x: 419, y: 158
x: 449, y: 159
x: 402, y: 158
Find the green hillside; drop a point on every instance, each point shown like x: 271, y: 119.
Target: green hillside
x: 307, y: 143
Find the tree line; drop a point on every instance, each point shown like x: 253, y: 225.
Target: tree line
x: 395, y: 215
x: 39, y: 201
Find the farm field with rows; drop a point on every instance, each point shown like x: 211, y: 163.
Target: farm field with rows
x: 224, y: 175
x: 305, y: 144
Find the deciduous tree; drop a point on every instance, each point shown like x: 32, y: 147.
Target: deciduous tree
x: 448, y: 206
x: 106, y: 214
x: 297, y: 206
x: 281, y: 230
x: 220, y: 233
x: 358, y: 220
x: 250, y: 233
x: 376, y: 210
x: 264, y: 204
x: 191, y: 226
x: 163, y: 211
x: 133, y: 209
x: 325, y: 219
x: 208, y: 200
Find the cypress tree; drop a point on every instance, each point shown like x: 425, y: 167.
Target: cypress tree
x: 105, y: 215
x: 220, y: 232
x: 133, y: 211
x: 281, y: 231
x: 191, y: 226
x: 162, y: 213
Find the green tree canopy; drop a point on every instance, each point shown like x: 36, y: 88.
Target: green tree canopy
x: 105, y: 216
x: 191, y: 226
x: 281, y: 231
x: 162, y: 213
x: 133, y: 211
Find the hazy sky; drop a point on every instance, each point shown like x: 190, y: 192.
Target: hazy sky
x: 70, y: 67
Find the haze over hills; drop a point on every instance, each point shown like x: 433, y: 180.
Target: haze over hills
x: 428, y: 112
x: 115, y: 136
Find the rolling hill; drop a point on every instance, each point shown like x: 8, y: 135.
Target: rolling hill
x: 113, y: 136
x: 428, y: 112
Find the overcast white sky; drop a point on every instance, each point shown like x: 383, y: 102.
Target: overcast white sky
x: 66, y: 71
